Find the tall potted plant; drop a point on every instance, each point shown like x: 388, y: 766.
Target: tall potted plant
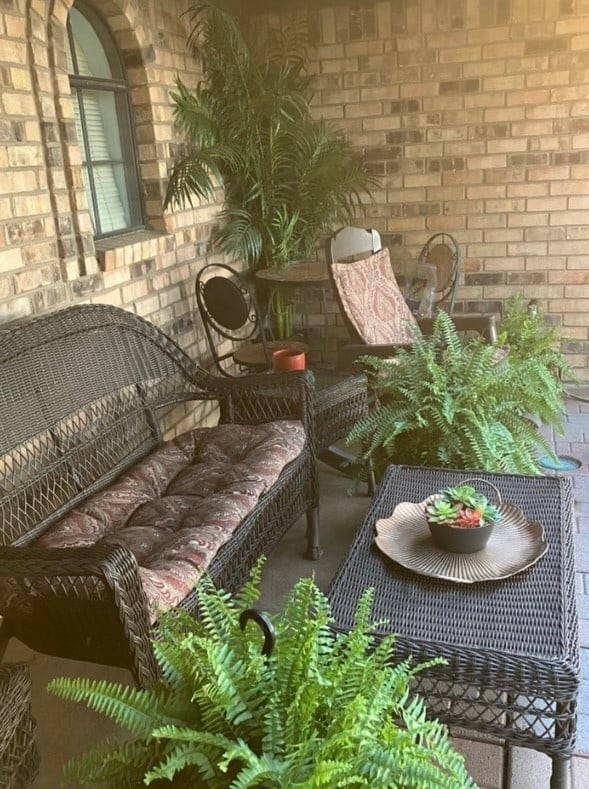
x: 286, y: 176
x: 319, y: 710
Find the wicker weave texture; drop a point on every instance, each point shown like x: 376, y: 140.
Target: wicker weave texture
x: 84, y: 387
x: 19, y: 757
x: 512, y: 645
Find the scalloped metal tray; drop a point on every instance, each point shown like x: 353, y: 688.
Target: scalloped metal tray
x: 514, y: 545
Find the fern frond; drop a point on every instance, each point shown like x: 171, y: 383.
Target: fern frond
x: 119, y: 765
x: 446, y: 403
x: 138, y: 710
x: 323, y: 710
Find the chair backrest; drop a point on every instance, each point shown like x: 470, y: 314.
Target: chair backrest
x: 371, y: 302
x: 229, y: 312
x: 349, y: 243
x: 81, y: 388
x: 441, y: 251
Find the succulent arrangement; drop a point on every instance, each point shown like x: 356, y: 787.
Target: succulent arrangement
x: 461, y: 507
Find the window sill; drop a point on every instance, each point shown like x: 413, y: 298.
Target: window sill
x: 128, y: 248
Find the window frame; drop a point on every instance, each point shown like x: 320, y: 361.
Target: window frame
x: 117, y: 86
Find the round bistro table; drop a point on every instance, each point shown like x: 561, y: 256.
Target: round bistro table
x: 303, y: 277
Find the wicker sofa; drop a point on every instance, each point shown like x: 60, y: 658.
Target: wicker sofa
x: 103, y: 524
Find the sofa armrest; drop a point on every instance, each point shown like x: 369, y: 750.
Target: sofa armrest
x: 262, y: 397
x: 79, y: 584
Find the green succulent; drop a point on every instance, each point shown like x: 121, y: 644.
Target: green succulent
x: 442, y: 511
x: 467, y: 497
x: 462, y: 494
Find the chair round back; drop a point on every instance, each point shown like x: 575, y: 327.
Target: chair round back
x: 226, y: 302
x: 441, y: 251
x: 228, y: 309
x: 350, y: 243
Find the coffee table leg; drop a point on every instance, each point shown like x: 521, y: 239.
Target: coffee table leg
x: 560, y: 772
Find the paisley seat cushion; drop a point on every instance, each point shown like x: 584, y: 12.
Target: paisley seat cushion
x: 373, y: 302
x: 175, y: 508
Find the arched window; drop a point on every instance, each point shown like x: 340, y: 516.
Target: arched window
x: 103, y: 123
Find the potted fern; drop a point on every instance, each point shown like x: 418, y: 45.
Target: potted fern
x: 448, y: 404
x: 523, y: 329
x: 320, y: 709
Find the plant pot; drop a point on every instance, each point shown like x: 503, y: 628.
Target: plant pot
x: 285, y: 360
x: 460, y: 540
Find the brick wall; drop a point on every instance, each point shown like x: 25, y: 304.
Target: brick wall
x: 48, y: 257
x: 476, y: 117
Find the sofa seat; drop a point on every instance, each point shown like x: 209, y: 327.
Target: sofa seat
x: 175, y: 508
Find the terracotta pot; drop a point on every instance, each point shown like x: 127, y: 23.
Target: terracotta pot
x: 286, y: 360
x: 458, y: 540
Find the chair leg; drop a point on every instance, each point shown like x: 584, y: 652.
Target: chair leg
x: 314, y: 549
x: 5, y: 636
x: 560, y: 778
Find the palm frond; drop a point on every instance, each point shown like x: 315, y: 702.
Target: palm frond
x: 192, y: 175
x: 286, y: 176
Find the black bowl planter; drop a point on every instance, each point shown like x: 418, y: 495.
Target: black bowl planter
x: 458, y: 539
x: 460, y: 518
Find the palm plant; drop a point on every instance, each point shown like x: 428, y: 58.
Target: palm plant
x: 448, y: 404
x: 286, y: 177
x: 322, y: 710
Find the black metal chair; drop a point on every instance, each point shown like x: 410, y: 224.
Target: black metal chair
x: 234, y: 323
x: 235, y: 331
x: 442, y: 252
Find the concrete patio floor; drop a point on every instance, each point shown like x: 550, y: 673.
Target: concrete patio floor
x: 65, y: 729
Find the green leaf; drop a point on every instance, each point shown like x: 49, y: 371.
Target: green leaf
x: 446, y: 403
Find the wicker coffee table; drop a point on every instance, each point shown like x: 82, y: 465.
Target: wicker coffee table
x: 511, y: 645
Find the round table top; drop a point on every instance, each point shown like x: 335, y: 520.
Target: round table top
x: 297, y: 274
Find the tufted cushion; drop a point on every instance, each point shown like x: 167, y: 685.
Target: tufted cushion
x: 373, y: 301
x: 175, y: 508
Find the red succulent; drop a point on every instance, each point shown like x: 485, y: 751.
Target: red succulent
x: 469, y: 519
